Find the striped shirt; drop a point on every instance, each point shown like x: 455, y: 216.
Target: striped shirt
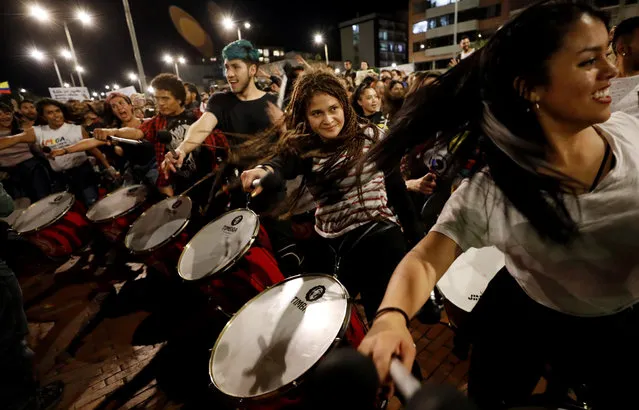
x: 354, y: 209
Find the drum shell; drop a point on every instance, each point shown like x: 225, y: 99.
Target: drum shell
x: 115, y: 230
x: 67, y: 235
x: 250, y: 275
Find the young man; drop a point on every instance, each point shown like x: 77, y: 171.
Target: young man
x: 625, y: 89
x: 28, y: 112
x: 466, y: 51
x: 73, y: 169
x: 170, y: 96
x: 625, y: 44
x: 242, y: 110
x: 192, y: 101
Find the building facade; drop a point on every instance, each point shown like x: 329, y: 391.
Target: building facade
x: 380, y: 40
x: 432, y: 24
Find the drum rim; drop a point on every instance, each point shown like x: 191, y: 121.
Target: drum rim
x: 169, y: 239
x: 294, y: 383
x: 54, y: 220
x: 128, y: 211
x: 232, y: 261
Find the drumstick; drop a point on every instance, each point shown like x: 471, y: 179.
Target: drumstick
x: 203, y: 144
x: 204, y: 178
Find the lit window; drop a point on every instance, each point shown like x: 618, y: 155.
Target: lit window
x: 261, y: 59
x: 266, y: 52
x: 355, y: 28
x: 276, y: 53
x: 259, y: 50
x: 420, y: 27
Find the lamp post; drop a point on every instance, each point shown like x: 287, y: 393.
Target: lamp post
x: 175, y: 60
x: 41, y: 14
x: 134, y: 42
x: 229, y: 24
x: 319, y: 39
x: 40, y: 56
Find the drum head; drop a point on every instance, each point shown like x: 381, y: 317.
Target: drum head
x: 279, y: 335
x: 117, y: 203
x: 159, y: 224
x: 44, y: 212
x: 219, y: 244
x: 467, y: 278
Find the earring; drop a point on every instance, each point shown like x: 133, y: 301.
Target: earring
x: 623, y: 54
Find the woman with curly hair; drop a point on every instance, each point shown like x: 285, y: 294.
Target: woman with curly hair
x: 358, y: 209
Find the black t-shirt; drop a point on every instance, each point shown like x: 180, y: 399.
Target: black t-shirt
x: 240, y: 117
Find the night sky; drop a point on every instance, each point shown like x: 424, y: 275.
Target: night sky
x: 105, y: 50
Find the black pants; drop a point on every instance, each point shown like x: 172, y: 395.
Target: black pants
x: 366, y: 258
x: 17, y: 381
x: 31, y: 177
x: 514, y: 338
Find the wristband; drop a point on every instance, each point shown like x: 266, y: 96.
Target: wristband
x: 393, y: 309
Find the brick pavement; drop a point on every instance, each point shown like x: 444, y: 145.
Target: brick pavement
x: 107, y: 360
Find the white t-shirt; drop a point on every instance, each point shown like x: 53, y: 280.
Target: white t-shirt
x: 625, y: 95
x: 596, y: 275
x: 62, y: 137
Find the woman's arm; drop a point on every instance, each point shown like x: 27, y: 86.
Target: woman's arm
x: 102, y: 134
x: 28, y: 136
x: 409, y: 288
x: 84, y: 145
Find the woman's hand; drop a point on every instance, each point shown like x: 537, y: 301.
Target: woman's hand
x: 57, y: 152
x: 251, y: 175
x: 425, y: 185
x: 388, y: 337
x: 102, y: 134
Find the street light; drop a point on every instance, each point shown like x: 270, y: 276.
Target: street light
x: 39, y: 56
x: 229, y: 24
x: 66, y: 85
x: 134, y: 77
x: 22, y: 90
x: 169, y: 59
x: 116, y: 87
x: 41, y: 14
x: 319, y: 39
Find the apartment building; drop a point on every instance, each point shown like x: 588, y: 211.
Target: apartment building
x: 380, y: 40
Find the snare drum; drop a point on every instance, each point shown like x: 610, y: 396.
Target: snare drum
x: 158, y: 234
x: 114, y: 214
x: 230, y: 259
x: 276, y: 339
x: 464, y: 282
x: 55, y: 224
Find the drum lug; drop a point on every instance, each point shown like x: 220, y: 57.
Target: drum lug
x: 222, y: 311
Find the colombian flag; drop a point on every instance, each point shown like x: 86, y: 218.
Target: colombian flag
x: 4, y: 88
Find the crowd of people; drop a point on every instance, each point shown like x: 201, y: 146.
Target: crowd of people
x: 527, y: 144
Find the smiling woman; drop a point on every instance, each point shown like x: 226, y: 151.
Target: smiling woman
x: 359, y: 209
x: 559, y: 197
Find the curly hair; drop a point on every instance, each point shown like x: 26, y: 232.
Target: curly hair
x: 300, y: 141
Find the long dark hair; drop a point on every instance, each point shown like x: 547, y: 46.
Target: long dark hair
x: 484, y: 94
x: 300, y: 141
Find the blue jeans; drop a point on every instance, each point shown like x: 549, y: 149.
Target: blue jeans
x: 18, y: 386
